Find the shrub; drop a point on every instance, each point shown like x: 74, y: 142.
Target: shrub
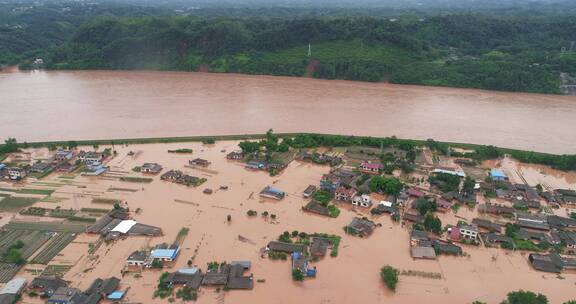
x: 525, y: 297
x: 297, y: 275
x: 389, y: 275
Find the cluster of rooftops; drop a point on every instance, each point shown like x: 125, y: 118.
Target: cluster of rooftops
x: 58, y: 291
x: 117, y: 224
x: 62, y: 160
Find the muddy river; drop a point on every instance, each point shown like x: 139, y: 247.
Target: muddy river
x: 63, y: 105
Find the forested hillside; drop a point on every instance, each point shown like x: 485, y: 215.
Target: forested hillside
x: 518, y: 52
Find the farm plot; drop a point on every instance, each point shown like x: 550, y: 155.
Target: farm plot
x: 43, y: 226
x: 8, y: 271
x: 9, y: 237
x: 55, y: 270
x: 54, y: 246
x: 31, y: 240
x: 15, y: 203
x: 109, y: 201
x: 36, y: 191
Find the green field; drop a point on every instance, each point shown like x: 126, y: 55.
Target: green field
x: 341, y: 51
x: 54, y: 246
x: 15, y: 203
x: 135, y: 179
x: 45, y: 226
x: 109, y: 201
x: 36, y: 191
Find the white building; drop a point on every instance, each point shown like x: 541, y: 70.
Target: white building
x: 16, y: 173
x: 363, y: 200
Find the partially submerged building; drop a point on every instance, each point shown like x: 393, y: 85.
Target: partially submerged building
x: 316, y: 207
x: 421, y: 246
x: 285, y: 247
x: 273, y: 193
x: 47, y: 285
x: 165, y: 253
x: 235, y: 155
x: 199, y: 162
x: 498, y: 175
x: 12, y: 290
x: 300, y: 263
x: 361, y: 227
x: 152, y: 168
x: 309, y: 191
x: 116, y: 224
x: 189, y: 277
x: 344, y: 194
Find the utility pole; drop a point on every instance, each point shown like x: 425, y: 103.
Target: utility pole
x: 309, y: 50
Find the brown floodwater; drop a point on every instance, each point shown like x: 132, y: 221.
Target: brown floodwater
x: 485, y: 274
x: 63, y: 105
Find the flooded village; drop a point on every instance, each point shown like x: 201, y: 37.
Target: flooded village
x: 279, y: 220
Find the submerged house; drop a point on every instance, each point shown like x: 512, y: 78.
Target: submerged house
x: 189, y: 277
x: 463, y: 232
x: 12, y: 290
x: 152, y: 168
x: 165, y: 253
x: 498, y: 175
x: 91, y: 157
x: 316, y: 207
x: 179, y: 177
x: 47, y: 285
x: 41, y: 167
x: 361, y: 227
x: 319, y: 246
x: 487, y: 225
x: 138, y: 258
x: 236, y: 277
x: 446, y: 248
x: 300, y: 262
x: 421, y: 246
x: 235, y: 155
x: 330, y: 182
x: 285, y: 247
x: 256, y: 165
x: 363, y: 200
x: 270, y: 192
x: 546, y: 262
x: 309, y: 191
x: 67, y: 295
x: 344, y: 194
x: 199, y: 162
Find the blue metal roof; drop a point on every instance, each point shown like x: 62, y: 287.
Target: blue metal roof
x: 116, y: 295
x: 274, y: 190
x: 164, y: 253
x: 497, y: 173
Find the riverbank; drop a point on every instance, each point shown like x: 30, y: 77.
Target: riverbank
x: 564, y: 162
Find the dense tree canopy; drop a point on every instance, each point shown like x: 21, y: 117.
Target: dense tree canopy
x: 518, y: 52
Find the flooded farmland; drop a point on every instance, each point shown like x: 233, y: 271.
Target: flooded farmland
x: 484, y: 274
